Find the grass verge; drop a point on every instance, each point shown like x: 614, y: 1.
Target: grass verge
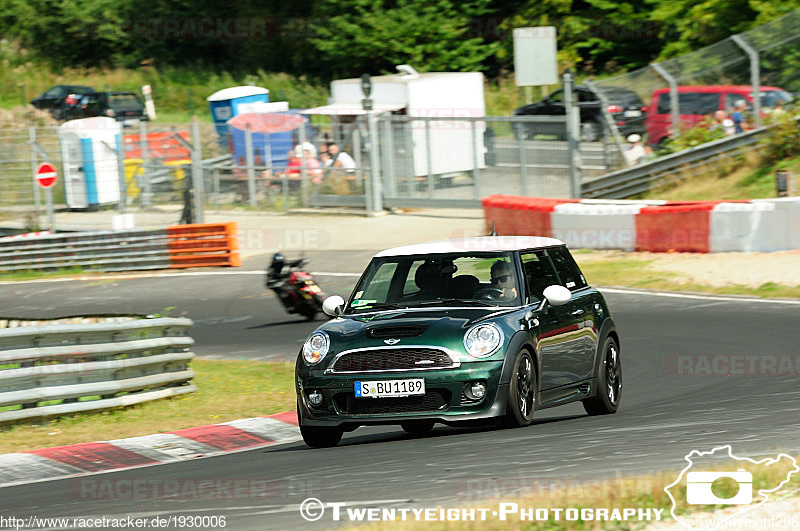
x: 635, y: 492
x: 228, y: 390
x: 626, y: 270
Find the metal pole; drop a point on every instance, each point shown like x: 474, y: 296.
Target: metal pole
x: 251, y: 171
x: 147, y: 192
x: 37, y: 200
x: 387, y: 157
x: 123, y: 188
x: 197, y: 173
x: 375, y: 204
x: 301, y: 137
x: 476, y: 173
x: 673, y: 99
x: 48, y: 198
x: 573, y: 130
x: 428, y: 157
x: 357, y: 151
x: 523, y: 156
x: 755, y: 77
x: 215, y: 184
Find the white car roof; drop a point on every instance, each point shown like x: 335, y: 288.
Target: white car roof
x: 479, y: 244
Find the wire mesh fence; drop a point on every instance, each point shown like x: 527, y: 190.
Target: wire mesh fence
x: 686, y: 91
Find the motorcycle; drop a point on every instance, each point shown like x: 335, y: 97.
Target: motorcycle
x: 296, y: 289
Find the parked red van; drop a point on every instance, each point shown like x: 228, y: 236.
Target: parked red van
x: 697, y: 102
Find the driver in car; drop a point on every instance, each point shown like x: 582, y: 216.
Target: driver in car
x: 503, y: 280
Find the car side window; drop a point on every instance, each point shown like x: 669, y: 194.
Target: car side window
x: 538, y: 274
x: 568, y: 270
x: 556, y: 97
x: 663, y: 104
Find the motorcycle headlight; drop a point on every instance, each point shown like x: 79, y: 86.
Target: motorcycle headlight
x: 481, y: 341
x: 315, y: 347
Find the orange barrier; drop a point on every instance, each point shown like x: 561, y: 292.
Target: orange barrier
x: 161, y: 145
x: 203, y: 245
x: 521, y: 216
x: 677, y: 227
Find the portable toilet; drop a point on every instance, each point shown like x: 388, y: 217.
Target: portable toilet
x: 91, y: 169
x: 224, y: 105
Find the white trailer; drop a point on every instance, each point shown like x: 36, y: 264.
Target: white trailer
x: 451, y: 146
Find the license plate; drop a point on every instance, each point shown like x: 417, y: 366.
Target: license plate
x: 631, y: 114
x: 389, y: 388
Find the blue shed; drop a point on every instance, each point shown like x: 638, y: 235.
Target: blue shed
x: 224, y: 105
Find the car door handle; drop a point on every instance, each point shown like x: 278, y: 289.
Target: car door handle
x: 577, y: 313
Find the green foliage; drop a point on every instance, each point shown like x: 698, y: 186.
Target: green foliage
x: 375, y: 36
x: 344, y: 38
x: 783, y: 140
x: 694, y: 136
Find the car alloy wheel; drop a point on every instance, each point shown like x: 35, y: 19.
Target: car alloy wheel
x: 521, y: 402
x: 613, y: 374
x: 609, y: 381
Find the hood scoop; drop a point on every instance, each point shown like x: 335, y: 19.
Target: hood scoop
x: 380, y: 332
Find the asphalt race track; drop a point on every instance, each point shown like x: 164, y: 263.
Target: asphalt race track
x: 692, y: 381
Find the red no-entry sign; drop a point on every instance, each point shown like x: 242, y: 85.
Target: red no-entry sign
x: 46, y: 175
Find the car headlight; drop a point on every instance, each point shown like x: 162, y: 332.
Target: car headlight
x: 315, y: 347
x: 481, y: 341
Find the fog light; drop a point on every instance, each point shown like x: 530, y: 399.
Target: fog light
x: 477, y: 390
x: 315, y: 397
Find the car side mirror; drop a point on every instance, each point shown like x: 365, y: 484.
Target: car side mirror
x: 333, y: 306
x: 555, y: 295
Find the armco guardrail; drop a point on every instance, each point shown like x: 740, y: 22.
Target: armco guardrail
x: 105, y: 250
x: 197, y: 245
x: 638, y: 179
x: 57, y: 369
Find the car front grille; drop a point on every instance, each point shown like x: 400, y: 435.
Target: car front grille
x: 392, y: 359
x: 432, y: 401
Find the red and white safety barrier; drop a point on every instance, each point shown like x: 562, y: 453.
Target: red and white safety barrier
x: 659, y: 226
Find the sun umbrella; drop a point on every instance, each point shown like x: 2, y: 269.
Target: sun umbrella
x: 267, y: 122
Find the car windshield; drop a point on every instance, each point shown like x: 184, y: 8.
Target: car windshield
x: 479, y: 279
x: 771, y: 98
x: 124, y: 100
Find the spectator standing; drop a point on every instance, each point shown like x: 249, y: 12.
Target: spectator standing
x: 739, y: 119
x: 635, y: 152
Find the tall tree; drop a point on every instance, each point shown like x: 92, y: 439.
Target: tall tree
x: 356, y: 36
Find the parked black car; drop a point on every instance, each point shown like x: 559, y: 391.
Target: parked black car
x: 55, y: 99
x: 124, y: 107
x: 625, y: 107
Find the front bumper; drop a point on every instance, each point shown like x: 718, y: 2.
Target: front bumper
x: 444, y: 400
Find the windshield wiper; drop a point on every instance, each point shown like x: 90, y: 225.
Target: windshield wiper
x: 448, y: 301
x: 377, y: 306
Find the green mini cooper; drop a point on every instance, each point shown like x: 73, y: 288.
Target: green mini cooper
x: 477, y: 329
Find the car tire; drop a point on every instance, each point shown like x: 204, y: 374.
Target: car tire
x: 418, y: 427
x: 608, y: 375
x: 319, y: 436
x: 309, y: 313
x: 522, y: 391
